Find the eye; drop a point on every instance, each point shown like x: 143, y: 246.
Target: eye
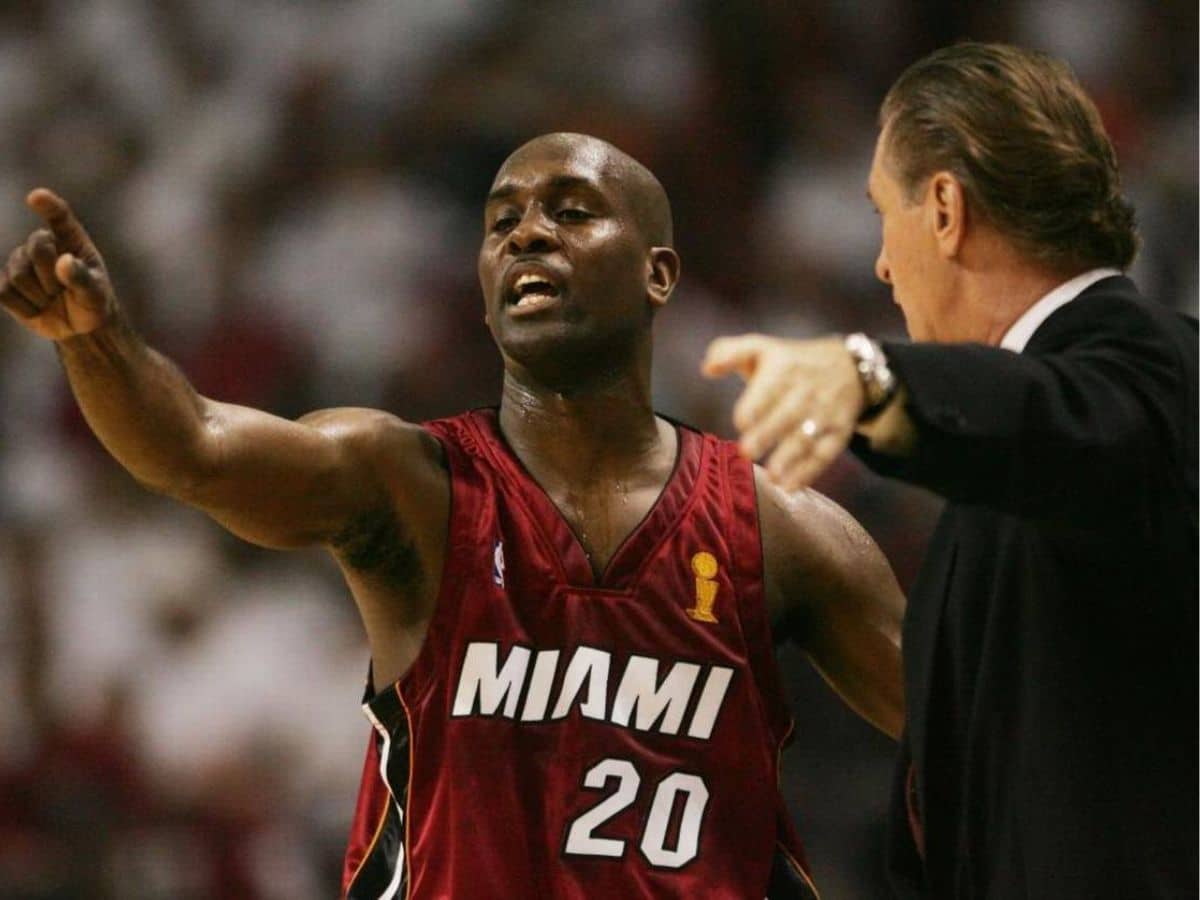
x: 574, y: 214
x: 504, y: 222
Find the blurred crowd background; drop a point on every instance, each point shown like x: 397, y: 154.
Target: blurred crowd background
x: 289, y: 197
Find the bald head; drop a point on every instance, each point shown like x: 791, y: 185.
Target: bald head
x: 643, y: 193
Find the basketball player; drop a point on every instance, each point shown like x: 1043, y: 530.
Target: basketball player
x: 570, y: 602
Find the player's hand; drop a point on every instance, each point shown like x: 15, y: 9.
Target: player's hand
x: 55, y: 284
x: 801, y: 403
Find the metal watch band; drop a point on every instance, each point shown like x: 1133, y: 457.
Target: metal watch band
x: 877, y: 379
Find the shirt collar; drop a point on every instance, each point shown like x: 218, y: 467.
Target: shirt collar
x: 1022, y: 330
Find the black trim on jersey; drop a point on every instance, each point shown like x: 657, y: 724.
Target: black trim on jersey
x: 378, y: 867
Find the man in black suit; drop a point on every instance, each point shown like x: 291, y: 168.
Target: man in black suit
x: 1050, y: 644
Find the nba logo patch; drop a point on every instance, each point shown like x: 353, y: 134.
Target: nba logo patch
x: 498, y: 563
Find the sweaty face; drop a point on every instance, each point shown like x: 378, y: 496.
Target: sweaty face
x: 563, y: 264
x: 908, y: 257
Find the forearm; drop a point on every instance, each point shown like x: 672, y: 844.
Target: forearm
x: 140, y: 406
x: 1063, y: 436
x: 267, y: 479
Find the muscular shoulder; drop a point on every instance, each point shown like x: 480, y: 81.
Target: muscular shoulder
x: 409, y: 465
x: 814, y: 554
x: 375, y: 436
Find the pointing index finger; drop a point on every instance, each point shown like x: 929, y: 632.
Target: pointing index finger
x: 68, y: 232
x: 732, y: 354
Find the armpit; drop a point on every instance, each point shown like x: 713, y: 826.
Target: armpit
x: 377, y: 544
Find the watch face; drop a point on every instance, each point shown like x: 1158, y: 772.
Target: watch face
x: 859, y: 345
x: 877, y: 379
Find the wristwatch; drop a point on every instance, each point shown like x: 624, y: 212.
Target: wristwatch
x: 878, y: 381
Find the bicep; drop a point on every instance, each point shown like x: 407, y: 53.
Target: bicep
x: 281, y: 483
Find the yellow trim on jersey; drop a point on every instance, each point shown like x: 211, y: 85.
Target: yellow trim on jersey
x: 408, y: 857
x: 375, y: 840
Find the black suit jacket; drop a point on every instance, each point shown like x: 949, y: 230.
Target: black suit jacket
x: 1050, y: 641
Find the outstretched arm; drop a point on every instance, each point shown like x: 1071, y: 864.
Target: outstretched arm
x: 1077, y: 429
x: 272, y: 481
x: 831, y: 590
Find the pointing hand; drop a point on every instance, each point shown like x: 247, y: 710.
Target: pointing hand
x: 801, y: 402
x: 55, y: 284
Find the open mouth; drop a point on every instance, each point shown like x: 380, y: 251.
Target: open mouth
x: 533, y: 291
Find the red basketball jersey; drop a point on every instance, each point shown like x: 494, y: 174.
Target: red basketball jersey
x: 559, y: 737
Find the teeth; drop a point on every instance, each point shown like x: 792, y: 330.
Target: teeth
x: 528, y: 280
x: 532, y: 289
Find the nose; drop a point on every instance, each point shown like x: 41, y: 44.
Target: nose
x: 535, y: 232
x: 882, y: 271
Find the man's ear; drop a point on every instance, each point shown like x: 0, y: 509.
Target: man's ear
x: 947, y: 204
x: 662, y: 273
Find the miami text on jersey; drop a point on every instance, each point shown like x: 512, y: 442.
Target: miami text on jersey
x: 487, y: 687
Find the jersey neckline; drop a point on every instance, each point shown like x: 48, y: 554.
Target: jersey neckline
x: 637, y: 548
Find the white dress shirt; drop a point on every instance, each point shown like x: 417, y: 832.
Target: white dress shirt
x: 1022, y: 330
